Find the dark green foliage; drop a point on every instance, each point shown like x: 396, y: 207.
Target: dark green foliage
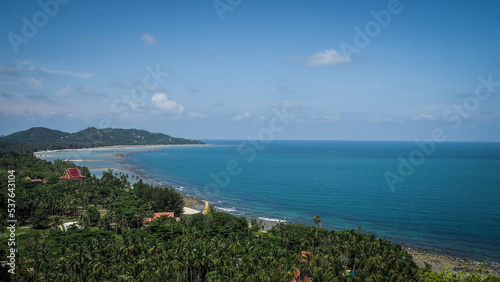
x: 347, y: 250
x: 91, y: 216
x: 39, y: 219
x: 163, y: 199
x: 44, y: 138
x: 61, y: 198
x: 36, y: 135
x: 256, y: 225
x: 212, y: 247
x: 217, y: 223
x: 127, y: 211
x: 116, y: 136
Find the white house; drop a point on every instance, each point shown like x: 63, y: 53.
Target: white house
x: 67, y: 225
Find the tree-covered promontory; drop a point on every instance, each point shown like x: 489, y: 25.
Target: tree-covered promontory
x: 44, y: 138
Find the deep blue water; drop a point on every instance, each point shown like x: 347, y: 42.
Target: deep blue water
x: 451, y: 201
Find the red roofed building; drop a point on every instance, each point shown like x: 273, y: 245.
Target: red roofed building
x: 72, y: 174
x: 156, y: 215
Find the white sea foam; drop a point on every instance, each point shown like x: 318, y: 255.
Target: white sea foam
x: 272, y: 219
x: 227, y: 209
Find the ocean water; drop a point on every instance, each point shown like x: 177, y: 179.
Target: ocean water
x: 97, y: 161
x: 448, y: 200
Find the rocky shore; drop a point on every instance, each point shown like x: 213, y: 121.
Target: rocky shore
x: 440, y: 262
x: 192, y: 202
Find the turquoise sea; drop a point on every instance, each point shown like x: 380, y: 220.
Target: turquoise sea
x: 446, y: 199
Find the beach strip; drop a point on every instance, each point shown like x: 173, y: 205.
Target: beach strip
x: 144, y: 147
x: 190, y: 211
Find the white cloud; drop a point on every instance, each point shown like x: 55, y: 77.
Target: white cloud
x: 9, y: 70
x: 328, y: 57
x: 35, y: 82
x: 289, y: 105
x: 161, y: 101
x: 241, y: 116
x: 262, y: 118
x: 423, y: 117
x: 149, y: 39
x: 26, y: 69
x: 325, y: 118
x: 329, y: 118
x: 137, y: 105
x: 81, y: 75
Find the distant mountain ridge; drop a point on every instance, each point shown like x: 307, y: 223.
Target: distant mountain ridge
x: 91, y: 137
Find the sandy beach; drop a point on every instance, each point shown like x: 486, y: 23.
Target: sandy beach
x: 190, y: 211
x: 145, y: 147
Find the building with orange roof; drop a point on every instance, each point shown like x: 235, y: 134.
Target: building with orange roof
x: 157, y: 215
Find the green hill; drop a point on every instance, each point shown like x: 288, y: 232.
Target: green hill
x: 42, y: 137
x: 35, y: 135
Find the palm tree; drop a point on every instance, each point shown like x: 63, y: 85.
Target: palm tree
x: 356, y: 247
x: 317, y: 220
x: 56, y: 221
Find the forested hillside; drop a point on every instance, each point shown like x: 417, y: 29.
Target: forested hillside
x: 91, y: 137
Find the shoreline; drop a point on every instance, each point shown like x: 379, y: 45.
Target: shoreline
x: 103, y: 148
x: 456, y: 265
x: 438, y: 261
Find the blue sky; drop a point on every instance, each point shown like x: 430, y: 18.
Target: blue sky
x: 338, y: 70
